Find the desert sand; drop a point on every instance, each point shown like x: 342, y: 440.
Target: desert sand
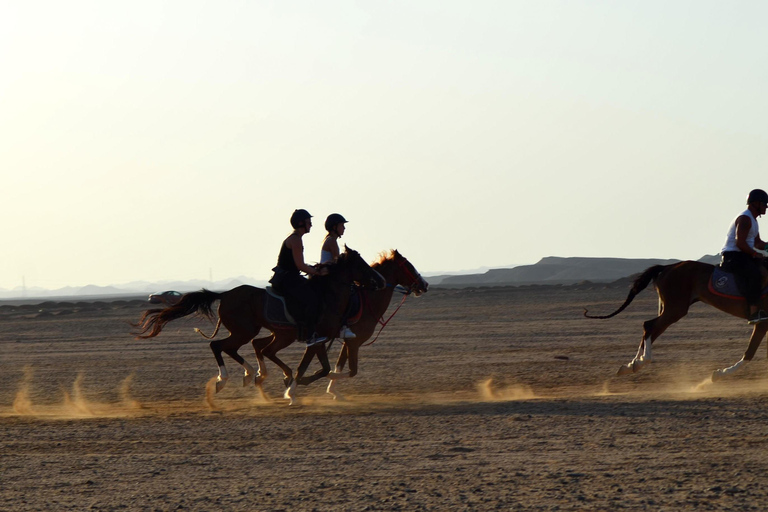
x: 473, y: 399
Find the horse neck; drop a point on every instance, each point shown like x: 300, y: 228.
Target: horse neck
x: 380, y: 299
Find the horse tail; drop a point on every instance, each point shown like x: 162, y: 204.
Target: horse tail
x: 215, y: 331
x: 153, y: 320
x: 639, y: 285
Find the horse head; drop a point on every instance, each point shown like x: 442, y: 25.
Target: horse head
x: 407, y: 276
x: 358, y: 270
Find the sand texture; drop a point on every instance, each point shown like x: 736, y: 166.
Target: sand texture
x: 475, y: 399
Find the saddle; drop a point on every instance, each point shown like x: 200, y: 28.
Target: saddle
x: 723, y: 283
x: 275, y: 310
x: 355, y: 307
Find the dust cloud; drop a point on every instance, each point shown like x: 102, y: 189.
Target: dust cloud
x: 509, y: 393
x: 74, y: 404
x: 22, y: 404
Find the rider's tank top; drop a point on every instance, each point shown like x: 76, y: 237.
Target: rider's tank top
x: 326, y: 257
x: 730, y: 239
x: 285, y: 260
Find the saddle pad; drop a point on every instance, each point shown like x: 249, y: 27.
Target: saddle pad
x: 724, y: 284
x: 275, y: 310
x: 354, y: 307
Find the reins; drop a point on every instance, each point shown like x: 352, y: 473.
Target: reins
x: 379, y: 320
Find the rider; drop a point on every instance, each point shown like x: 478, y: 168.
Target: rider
x: 334, y: 224
x: 740, y: 257
x: 288, y: 282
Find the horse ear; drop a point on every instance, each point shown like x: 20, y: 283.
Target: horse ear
x: 396, y: 254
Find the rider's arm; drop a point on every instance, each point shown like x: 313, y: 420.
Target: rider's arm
x: 743, y: 225
x: 759, y: 244
x: 297, y: 249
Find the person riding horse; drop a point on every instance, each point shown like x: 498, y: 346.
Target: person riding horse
x: 334, y: 225
x: 301, y: 299
x: 740, y: 257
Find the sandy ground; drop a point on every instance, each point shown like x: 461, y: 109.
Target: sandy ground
x: 477, y: 399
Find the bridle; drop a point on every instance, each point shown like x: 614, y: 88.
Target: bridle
x: 416, y: 278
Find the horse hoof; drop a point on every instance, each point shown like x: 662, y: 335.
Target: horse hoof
x: 290, y: 392
x: 717, y: 375
x: 247, y: 380
x: 259, y: 379
x: 625, y: 370
x: 220, y: 384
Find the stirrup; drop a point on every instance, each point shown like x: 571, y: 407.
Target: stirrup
x: 760, y: 316
x: 316, y: 340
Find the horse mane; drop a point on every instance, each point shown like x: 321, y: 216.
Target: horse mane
x: 384, y: 257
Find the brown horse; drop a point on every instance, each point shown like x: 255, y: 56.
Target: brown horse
x: 241, y: 311
x: 397, y: 271
x: 679, y: 285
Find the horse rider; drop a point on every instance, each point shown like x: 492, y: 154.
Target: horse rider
x: 740, y: 257
x: 335, y: 227
x: 301, y: 299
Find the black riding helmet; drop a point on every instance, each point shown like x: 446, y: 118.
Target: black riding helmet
x: 298, y: 218
x: 332, y: 220
x: 757, y: 196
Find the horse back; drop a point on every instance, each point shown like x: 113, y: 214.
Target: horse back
x: 686, y: 278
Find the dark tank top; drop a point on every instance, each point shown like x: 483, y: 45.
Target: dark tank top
x: 285, y: 260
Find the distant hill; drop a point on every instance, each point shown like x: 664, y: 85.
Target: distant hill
x: 556, y: 270
x: 129, y: 289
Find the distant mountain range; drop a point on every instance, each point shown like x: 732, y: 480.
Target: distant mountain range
x: 556, y: 270
x: 132, y: 288
x: 549, y: 270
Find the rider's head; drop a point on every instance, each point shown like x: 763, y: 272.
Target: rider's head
x: 299, y: 219
x: 757, y: 196
x: 335, y: 224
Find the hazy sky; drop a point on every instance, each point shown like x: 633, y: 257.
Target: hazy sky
x: 150, y: 140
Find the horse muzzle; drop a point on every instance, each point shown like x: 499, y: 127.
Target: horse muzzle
x: 421, y: 287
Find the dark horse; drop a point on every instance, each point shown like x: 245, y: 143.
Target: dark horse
x: 241, y: 311
x: 679, y: 285
x: 397, y: 270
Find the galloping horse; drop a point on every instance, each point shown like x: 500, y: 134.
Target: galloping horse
x: 679, y: 285
x: 241, y: 311
x: 397, y: 270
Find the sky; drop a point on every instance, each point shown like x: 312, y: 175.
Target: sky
x: 172, y: 140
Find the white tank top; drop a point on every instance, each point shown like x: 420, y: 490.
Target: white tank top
x: 325, y: 257
x: 730, y: 239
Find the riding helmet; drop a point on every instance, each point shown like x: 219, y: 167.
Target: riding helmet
x: 332, y: 220
x: 757, y: 195
x: 298, y: 218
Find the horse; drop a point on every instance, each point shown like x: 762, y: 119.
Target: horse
x: 241, y: 311
x: 397, y: 271
x: 678, y: 286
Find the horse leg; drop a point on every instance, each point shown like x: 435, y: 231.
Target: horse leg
x: 758, y: 333
x: 652, y: 329
x: 336, y: 373
x: 221, y: 380
x: 259, y: 344
x: 322, y: 355
x: 230, y: 346
x: 351, y: 352
x: 279, y: 342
